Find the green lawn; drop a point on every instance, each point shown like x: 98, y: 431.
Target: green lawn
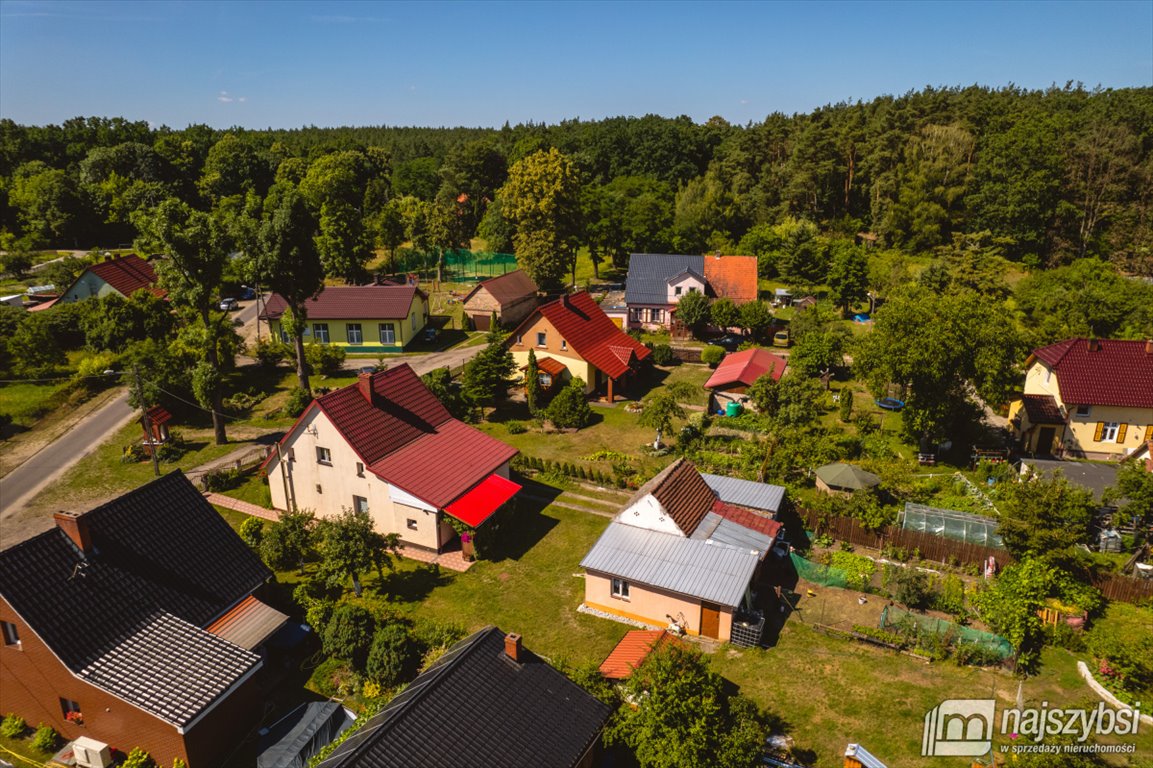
x: 26, y: 403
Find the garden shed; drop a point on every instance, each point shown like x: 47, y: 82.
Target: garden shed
x: 844, y: 478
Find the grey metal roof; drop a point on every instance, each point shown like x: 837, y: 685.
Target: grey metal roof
x: 718, y: 529
x: 1093, y: 477
x: 706, y: 570
x: 170, y: 668
x: 746, y: 493
x: 649, y: 274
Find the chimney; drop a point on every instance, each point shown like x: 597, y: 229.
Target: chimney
x: 1094, y: 345
x: 74, y: 524
x: 512, y: 647
x: 564, y: 300
x: 364, y: 384
x: 1149, y: 346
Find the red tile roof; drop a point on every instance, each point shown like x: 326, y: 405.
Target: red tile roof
x: 1042, y: 409
x: 352, y: 302
x: 631, y: 652
x: 407, y: 438
x: 732, y: 277
x: 549, y: 365
x: 1113, y: 372
x: 745, y: 367
x: 590, y: 333
x: 747, y: 518
x: 478, y: 505
x: 127, y: 274
x: 506, y: 288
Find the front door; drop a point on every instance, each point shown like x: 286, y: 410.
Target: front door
x: 1045, y: 440
x: 710, y: 620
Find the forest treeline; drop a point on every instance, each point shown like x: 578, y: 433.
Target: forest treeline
x: 1043, y: 177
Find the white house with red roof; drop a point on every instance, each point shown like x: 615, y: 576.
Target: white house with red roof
x: 386, y: 444
x: 360, y: 318
x: 1086, y: 398
x: 579, y: 341
x: 119, y: 275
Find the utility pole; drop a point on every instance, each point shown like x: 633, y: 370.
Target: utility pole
x: 146, y: 422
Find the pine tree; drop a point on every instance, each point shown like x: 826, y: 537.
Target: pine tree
x: 532, y: 390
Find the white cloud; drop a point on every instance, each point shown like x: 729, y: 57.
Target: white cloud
x: 224, y: 97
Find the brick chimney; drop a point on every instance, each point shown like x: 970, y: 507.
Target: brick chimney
x: 1094, y: 344
x: 512, y: 647
x: 1149, y: 346
x: 74, y: 524
x: 364, y: 383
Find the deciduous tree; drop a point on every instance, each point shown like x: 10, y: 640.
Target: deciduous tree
x: 542, y: 198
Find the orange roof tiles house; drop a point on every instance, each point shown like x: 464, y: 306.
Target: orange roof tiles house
x: 123, y: 275
x: 574, y: 332
x: 387, y: 445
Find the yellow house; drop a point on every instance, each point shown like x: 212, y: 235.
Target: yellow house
x: 584, y: 343
x: 361, y: 318
x: 1086, y: 398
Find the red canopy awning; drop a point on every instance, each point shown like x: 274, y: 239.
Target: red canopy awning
x: 486, y: 497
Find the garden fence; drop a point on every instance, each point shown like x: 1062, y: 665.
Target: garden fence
x: 898, y: 618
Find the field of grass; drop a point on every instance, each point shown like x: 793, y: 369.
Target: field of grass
x: 27, y: 402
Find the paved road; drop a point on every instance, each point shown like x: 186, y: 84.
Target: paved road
x: 24, y: 482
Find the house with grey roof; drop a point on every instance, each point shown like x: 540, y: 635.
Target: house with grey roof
x: 657, y: 281
x: 135, y: 625
x: 682, y: 552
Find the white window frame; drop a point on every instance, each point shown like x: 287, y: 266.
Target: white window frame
x: 542, y: 339
x: 320, y: 332
x: 354, y: 329
x: 359, y: 502
x: 1109, y: 431
x: 323, y: 456
x: 619, y: 589
x: 410, y: 524
x: 387, y: 333
x: 563, y: 345
x: 677, y: 291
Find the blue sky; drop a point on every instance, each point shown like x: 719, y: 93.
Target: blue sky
x: 287, y: 64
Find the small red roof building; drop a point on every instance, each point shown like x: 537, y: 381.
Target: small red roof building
x: 631, y: 652
x: 745, y: 367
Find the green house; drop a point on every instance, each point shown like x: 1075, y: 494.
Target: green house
x: 360, y: 318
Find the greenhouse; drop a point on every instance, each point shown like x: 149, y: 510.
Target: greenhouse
x: 960, y: 526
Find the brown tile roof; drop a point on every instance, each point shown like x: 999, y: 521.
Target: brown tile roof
x: 1042, y: 409
x: 352, y: 302
x: 1113, y: 372
x: 590, y: 333
x: 549, y: 365
x: 407, y: 438
x: 127, y: 274
x: 506, y: 288
x: 683, y: 493
x: 745, y: 367
x: 748, y: 518
x: 631, y: 652
x: 733, y: 277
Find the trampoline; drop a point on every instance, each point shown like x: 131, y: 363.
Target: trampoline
x: 890, y: 403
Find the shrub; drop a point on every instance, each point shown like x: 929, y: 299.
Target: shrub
x: 516, y: 428
x: 913, y: 589
x: 334, y: 678
x: 45, y: 739
x: 215, y: 480
x: 845, y: 405
x: 271, y: 353
x: 858, y: 569
x: 712, y: 355
x: 138, y: 758
x: 663, y: 355
x: 252, y: 531
x: 298, y: 400
x: 13, y: 727
x: 327, y: 359
x: 349, y: 634
x: 393, y: 656
x: 569, y: 409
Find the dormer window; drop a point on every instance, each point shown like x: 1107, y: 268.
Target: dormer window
x: 11, y: 636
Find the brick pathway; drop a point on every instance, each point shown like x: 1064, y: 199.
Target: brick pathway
x: 452, y: 560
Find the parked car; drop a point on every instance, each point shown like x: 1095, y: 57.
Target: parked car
x: 229, y: 305
x: 729, y: 342
x: 247, y: 293
x: 431, y: 334
x: 781, y: 339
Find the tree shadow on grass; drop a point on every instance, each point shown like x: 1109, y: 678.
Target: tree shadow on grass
x: 412, y: 586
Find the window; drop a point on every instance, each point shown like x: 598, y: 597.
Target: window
x: 677, y: 291
x: 320, y: 331
x: 545, y: 379
x: 359, y: 469
x: 68, y: 706
x: 11, y: 636
x: 323, y: 456
x: 360, y: 504
x: 292, y: 454
x: 319, y: 490
x: 541, y: 339
x: 410, y: 524
x: 563, y: 345
x: 387, y: 333
x: 692, y: 289
x: 1109, y: 431
x: 1048, y: 375
x: 354, y: 333
x: 1082, y: 410
x: 519, y: 339
x: 621, y: 589
x: 284, y: 336
x: 412, y: 322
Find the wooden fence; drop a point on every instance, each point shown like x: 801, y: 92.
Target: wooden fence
x: 1117, y: 587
